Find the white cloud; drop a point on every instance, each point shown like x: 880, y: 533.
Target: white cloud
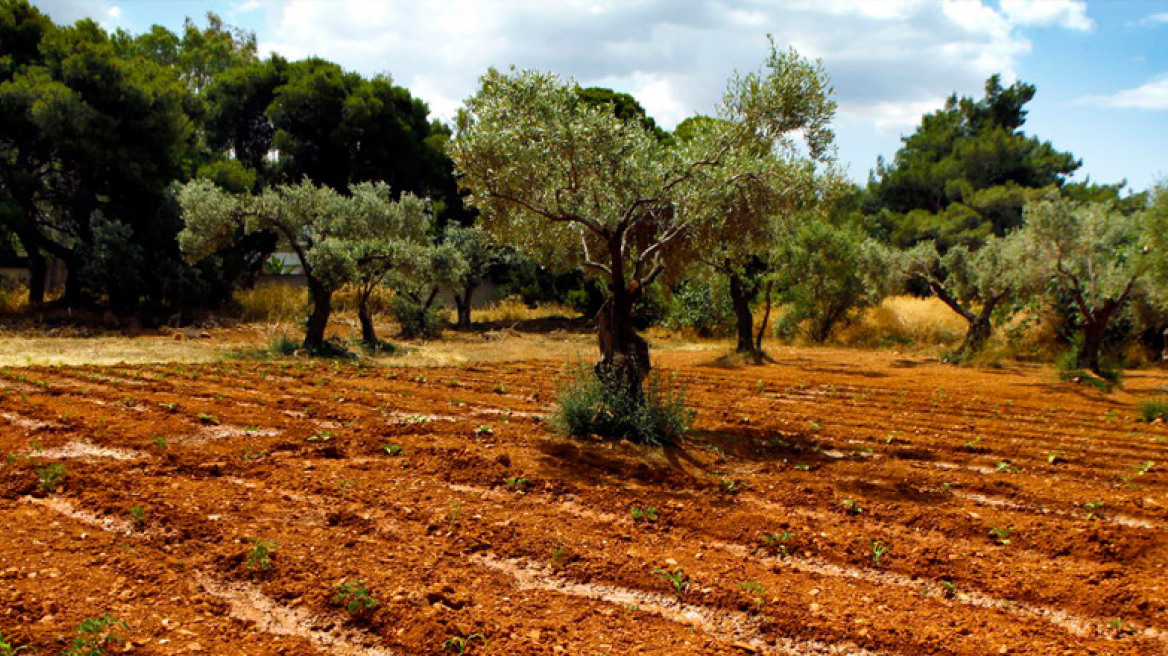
x: 1152, y: 96
x: 114, y: 12
x: 1069, y: 14
x: 1154, y: 19
x: 674, y: 57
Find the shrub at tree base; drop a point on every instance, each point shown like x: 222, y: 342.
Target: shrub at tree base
x: 590, y: 405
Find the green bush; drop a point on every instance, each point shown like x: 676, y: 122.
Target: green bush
x: 590, y: 406
x: 702, y: 308
x: 1154, y: 409
x: 416, y: 319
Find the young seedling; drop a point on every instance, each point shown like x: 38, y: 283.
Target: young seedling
x: 1094, y: 509
x: 137, y: 517
x: 500, y: 388
x: 757, y: 591
x: 454, y: 513
x: 95, y: 635
x: 1001, y: 535
x: 730, y: 486
x: 320, y: 436
x: 354, y: 597
x: 259, y: 557
x: 879, y: 549
x: 459, y: 645
x: 208, y: 420
x: 802, y: 466
x: 678, y: 579
x: 393, y: 450
x: 948, y: 589
x: 1055, y: 457
x: 1004, y: 467
x: 50, y: 477
x: 648, y: 514
x: 160, y: 442
x: 559, y: 559
x: 516, y: 484
x: 9, y: 648
x: 777, y: 540
x: 852, y: 507
x: 484, y: 430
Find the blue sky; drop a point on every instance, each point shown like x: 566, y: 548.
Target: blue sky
x: 1101, y: 67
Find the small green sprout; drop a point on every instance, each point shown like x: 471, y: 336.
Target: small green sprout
x: 802, y: 466
x: 354, y: 597
x: 853, y: 507
x: 484, y: 430
x: 159, y: 442
x: 777, y: 540
x: 1004, y: 467
x: 1094, y: 509
x: 559, y: 559
x: 137, y: 517
x: 678, y: 579
x: 95, y: 635
x: 393, y: 449
x: 1001, y: 535
x: 8, y: 647
x: 459, y: 645
x: 879, y: 549
x: 648, y: 514
x: 1055, y: 457
x: 516, y: 484
x: 730, y: 486
x: 320, y: 436
x: 208, y: 419
x: 51, y: 477
x: 259, y: 557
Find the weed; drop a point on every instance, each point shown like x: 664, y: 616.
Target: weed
x: 459, y: 645
x: 853, y: 507
x: 815, y: 425
x: 1001, y: 535
x: 1153, y: 410
x: 974, y: 444
x: 160, y: 442
x: 559, y: 559
x: 320, y: 436
x: 879, y: 549
x: 948, y: 589
x: 1055, y: 457
x: 95, y: 635
x: 208, y: 419
x: 802, y: 466
x: 1145, y: 467
x: 172, y: 407
x: 756, y: 590
x: 393, y: 449
x: 1116, y: 624
x: 730, y: 486
x: 648, y: 514
x: 137, y: 517
x: 9, y: 648
x: 516, y: 484
x: 354, y: 597
x: 259, y: 557
x: 677, y: 579
x: 484, y: 430
x: 50, y: 477
x: 500, y: 388
x: 778, y: 540
x: 455, y: 512
x: 589, y: 405
x: 1094, y: 509
x: 1004, y: 467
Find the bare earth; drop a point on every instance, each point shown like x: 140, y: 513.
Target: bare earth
x: 1020, y: 514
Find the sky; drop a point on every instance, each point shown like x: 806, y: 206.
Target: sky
x: 1100, y: 66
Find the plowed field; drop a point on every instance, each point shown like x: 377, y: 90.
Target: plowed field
x: 836, y: 502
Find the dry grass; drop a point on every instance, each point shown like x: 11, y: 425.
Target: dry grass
x: 28, y: 351
x: 905, y: 320
x: 273, y: 302
x: 513, y: 310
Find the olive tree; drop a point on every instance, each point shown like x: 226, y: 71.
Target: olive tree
x: 574, y: 185
x: 762, y: 191
x: 1094, y: 254
x: 975, y: 283
x: 336, y: 238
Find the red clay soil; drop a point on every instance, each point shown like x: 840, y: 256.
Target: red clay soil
x: 836, y: 502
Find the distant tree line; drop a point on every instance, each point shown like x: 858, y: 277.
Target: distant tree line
x: 162, y: 169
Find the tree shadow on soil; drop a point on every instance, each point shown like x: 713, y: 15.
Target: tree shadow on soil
x: 542, y: 326
x: 738, y: 360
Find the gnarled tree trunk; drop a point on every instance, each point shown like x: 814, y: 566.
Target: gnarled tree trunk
x: 462, y: 299
x: 322, y: 304
x: 740, y: 296
x: 624, y: 355
x: 365, y: 316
